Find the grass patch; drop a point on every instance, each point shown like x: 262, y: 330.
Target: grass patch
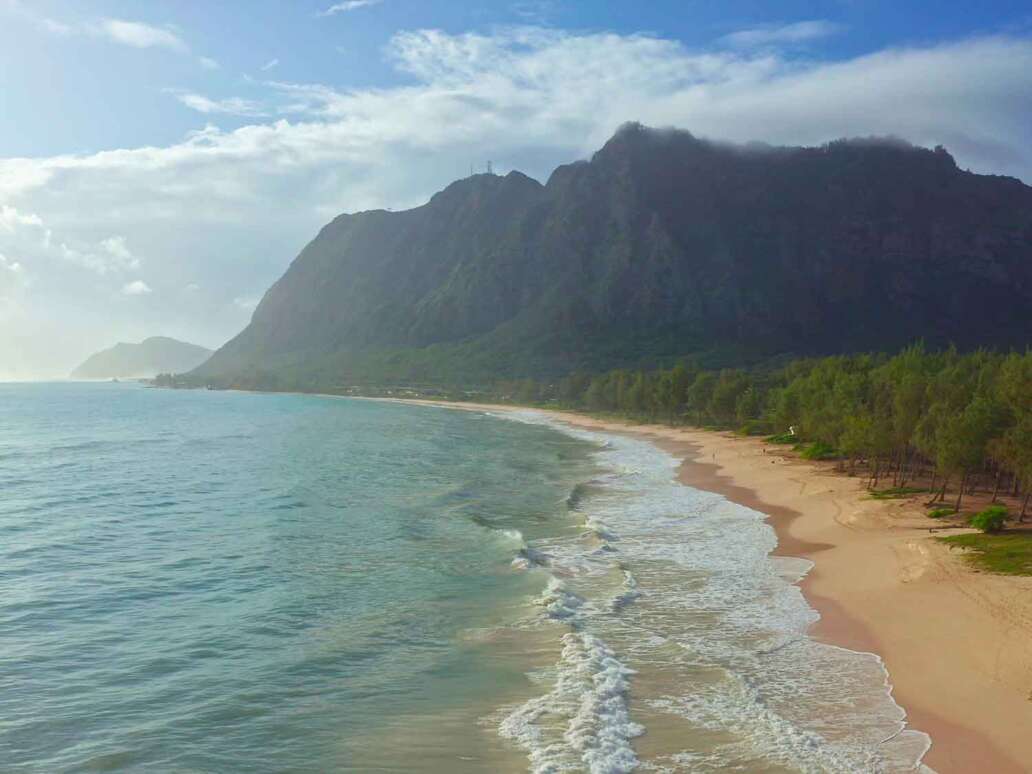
x: 895, y: 493
x: 1007, y: 553
x: 939, y: 513
x: 819, y: 451
x: 782, y: 438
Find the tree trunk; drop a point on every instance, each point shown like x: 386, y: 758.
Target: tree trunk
x: 1024, y: 507
x: 874, y: 474
x: 931, y: 486
x: 1014, y: 486
x: 996, y: 486
x: 939, y: 496
x: 960, y: 492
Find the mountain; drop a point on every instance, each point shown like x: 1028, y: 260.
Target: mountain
x: 662, y: 245
x: 158, y: 354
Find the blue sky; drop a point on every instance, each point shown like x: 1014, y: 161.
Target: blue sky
x: 79, y: 93
x: 162, y: 162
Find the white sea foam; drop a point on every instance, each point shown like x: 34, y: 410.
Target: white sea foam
x: 698, y: 571
x: 514, y: 535
x: 526, y: 557
x: 584, y: 721
x: 559, y: 602
x: 599, y: 529
x: 629, y: 592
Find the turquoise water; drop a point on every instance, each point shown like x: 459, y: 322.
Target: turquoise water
x: 204, y: 581
x: 228, y: 582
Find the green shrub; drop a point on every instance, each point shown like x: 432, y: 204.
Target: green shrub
x: 785, y: 437
x: 895, y: 493
x: 991, y: 519
x: 938, y: 513
x: 819, y: 451
x: 754, y: 427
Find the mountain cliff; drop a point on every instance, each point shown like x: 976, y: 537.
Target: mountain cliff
x: 150, y: 357
x: 661, y: 245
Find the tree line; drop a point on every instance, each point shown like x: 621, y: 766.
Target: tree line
x: 964, y: 420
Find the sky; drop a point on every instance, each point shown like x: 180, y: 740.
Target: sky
x: 161, y: 163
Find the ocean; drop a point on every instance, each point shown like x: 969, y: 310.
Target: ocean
x: 201, y: 581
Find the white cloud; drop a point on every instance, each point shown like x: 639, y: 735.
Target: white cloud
x: 531, y: 89
x: 26, y: 233
x: 269, y: 65
x: 246, y: 303
x: 53, y: 26
x: 115, y: 247
x: 230, y: 209
x: 122, y: 31
x: 14, y: 267
x: 782, y: 34
x: 56, y: 27
x: 231, y: 105
x: 136, y: 288
x: 348, y: 5
x: 13, y: 283
x: 11, y: 218
x: 535, y: 11
x: 107, y: 257
x: 208, y: 63
x: 86, y: 259
x: 140, y: 35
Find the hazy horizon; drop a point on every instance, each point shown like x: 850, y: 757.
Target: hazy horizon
x: 168, y: 173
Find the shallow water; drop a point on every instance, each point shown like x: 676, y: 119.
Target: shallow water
x: 205, y: 581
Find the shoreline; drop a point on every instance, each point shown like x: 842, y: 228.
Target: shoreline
x: 956, y: 643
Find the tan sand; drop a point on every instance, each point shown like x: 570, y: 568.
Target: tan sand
x: 957, y: 643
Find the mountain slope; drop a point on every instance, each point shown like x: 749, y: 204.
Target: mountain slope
x: 150, y: 357
x: 662, y: 245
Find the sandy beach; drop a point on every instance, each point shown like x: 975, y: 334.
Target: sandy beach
x: 957, y: 643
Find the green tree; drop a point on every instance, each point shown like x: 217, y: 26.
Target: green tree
x: 572, y: 388
x: 963, y: 439
x: 724, y: 397
x: 699, y: 395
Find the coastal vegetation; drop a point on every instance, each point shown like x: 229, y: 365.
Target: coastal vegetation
x: 937, y: 424
x: 1004, y: 553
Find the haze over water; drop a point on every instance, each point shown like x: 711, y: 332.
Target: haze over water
x: 205, y: 581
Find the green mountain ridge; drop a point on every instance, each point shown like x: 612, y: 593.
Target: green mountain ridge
x: 662, y: 245
x: 157, y: 354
